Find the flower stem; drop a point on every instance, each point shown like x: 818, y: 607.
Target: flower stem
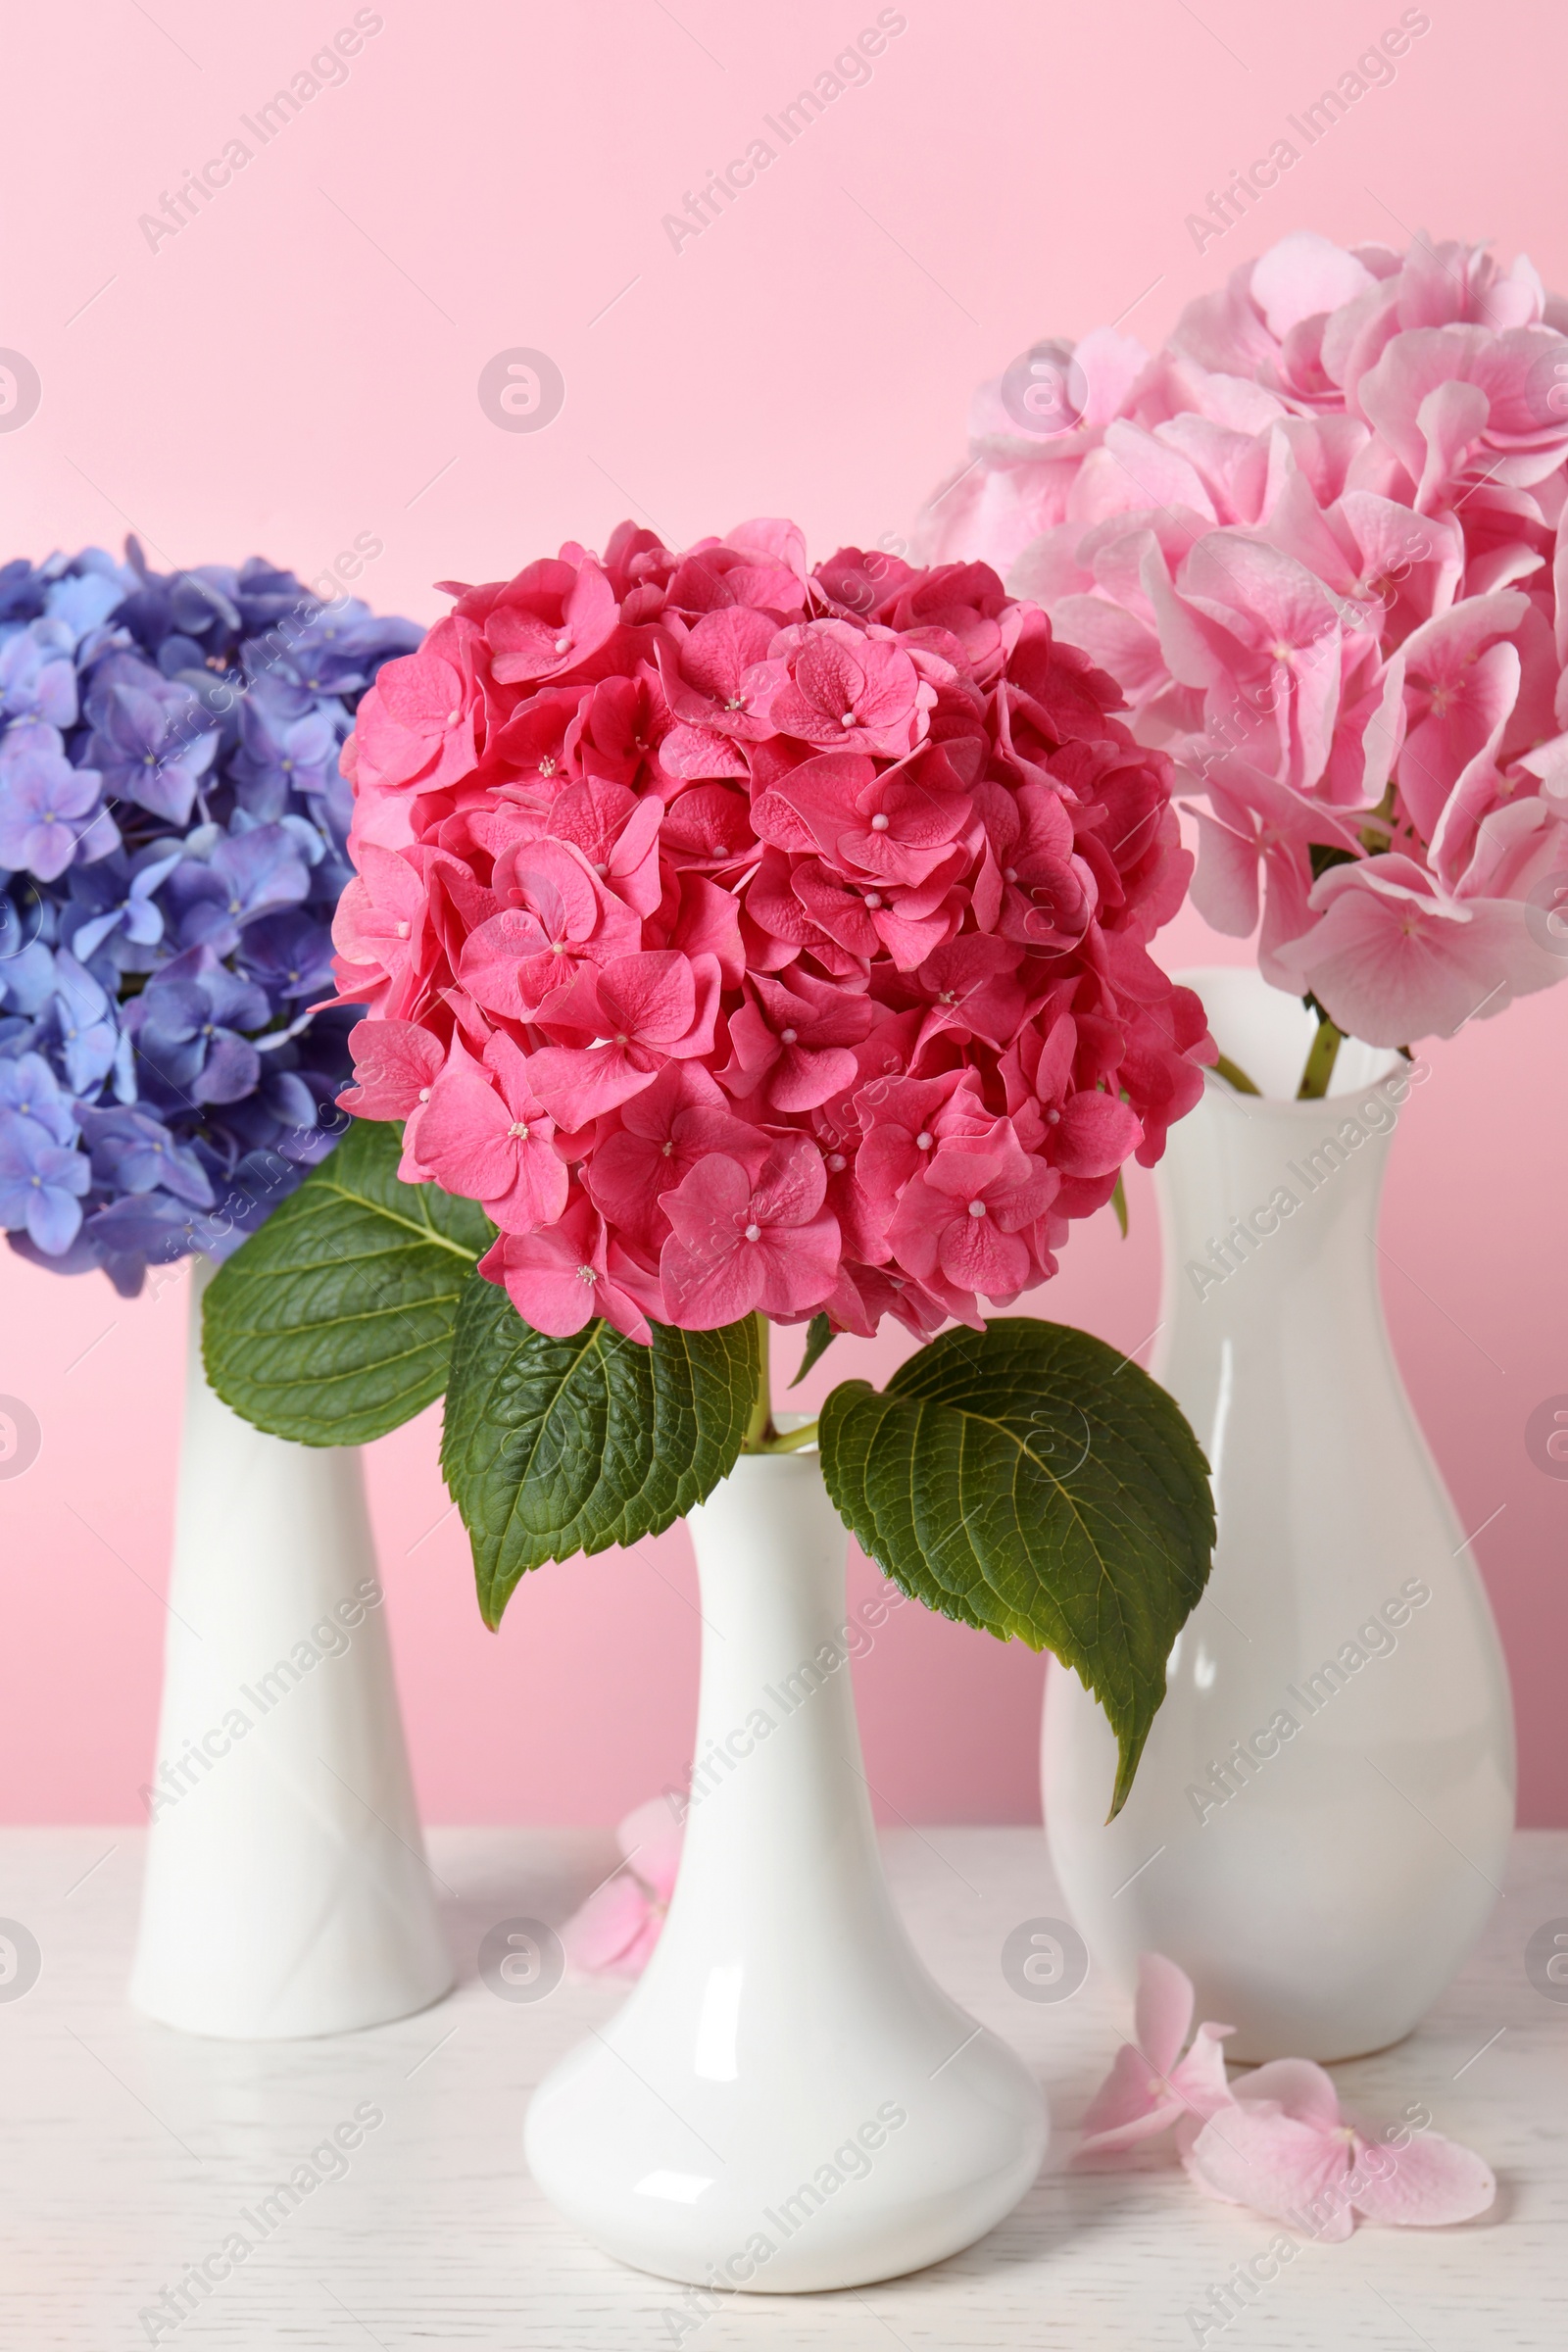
x: 759, y: 1428
x: 1233, y: 1075
x: 762, y: 1436
x: 1320, y: 1061
x: 792, y: 1441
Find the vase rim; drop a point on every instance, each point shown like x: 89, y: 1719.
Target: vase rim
x: 797, y: 1453
x: 1268, y: 1033
x: 1218, y: 1088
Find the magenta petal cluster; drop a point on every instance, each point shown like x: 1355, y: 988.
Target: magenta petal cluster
x: 1275, y: 2140
x: 749, y: 938
x: 616, y: 1929
x: 1321, y: 537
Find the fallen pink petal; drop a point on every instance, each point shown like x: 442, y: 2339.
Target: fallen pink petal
x: 1274, y: 2140
x: 614, y: 1930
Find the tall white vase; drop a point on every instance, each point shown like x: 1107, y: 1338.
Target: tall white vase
x: 1319, y: 1824
x: 286, y: 1891
x: 787, y: 2101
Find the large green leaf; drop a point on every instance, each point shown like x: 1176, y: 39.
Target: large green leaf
x: 333, y: 1323
x: 1031, y: 1482
x: 556, y: 1446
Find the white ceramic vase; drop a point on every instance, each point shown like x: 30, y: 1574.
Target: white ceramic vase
x: 786, y: 2101
x: 1321, y: 1817
x: 286, y: 1891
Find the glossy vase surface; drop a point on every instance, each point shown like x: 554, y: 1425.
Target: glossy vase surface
x: 286, y: 1891
x: 1321, y: 1818
x: 787, y: 2100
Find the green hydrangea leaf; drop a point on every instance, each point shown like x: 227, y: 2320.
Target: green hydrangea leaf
x: 556, y: 1446
x: 332, y: 1323
x: 1029, y: 1480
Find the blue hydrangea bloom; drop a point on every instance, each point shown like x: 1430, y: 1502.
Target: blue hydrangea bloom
x: 172, y: 829
x: 41, y: 1183
x: 46, y: 805
x: 38, y: 673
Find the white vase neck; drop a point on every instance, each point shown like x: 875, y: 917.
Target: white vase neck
x: 1268, y: 1034
x: 1263, y: 1202
x: 776, y: 1642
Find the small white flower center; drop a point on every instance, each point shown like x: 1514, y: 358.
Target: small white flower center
x: 404, y: 930
x: 879, y: 824
x: 836, y: 1162
x: 1010, y: 873
x: 562, y: 643
x: 873, y: 897
x: 587, y: 1274
x: 977, y: 1208
x: 753, y: 1232
x: 424, y: 1093
x: 788, y: 1036
x: 520, y: 1127
x: 848, y: 720
x: 453, y: 717
x: 923, y: 1141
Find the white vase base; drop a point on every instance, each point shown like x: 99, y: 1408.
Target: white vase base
x: 799, y: 2213
x: 787, y: 2102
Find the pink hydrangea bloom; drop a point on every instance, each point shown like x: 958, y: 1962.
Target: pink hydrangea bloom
x: 1321, y: 537
x: 484, y: 1133
x: 745, y: 937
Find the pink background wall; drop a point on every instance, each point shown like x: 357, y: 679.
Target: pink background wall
x: 298, y: 365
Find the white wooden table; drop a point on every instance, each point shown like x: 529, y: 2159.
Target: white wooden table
x: 128, y: 2153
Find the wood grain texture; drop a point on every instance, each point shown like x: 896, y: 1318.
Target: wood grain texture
x: 128, y: 2152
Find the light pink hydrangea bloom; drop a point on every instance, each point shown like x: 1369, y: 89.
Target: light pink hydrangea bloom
x: 1321, y: 537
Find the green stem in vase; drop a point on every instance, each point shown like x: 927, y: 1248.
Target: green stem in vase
x: 762, y: 1433
x: 792, y: 1441
x: 759, y: 1428
x: 1320, y: 1061
x: 1233, y: 1075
